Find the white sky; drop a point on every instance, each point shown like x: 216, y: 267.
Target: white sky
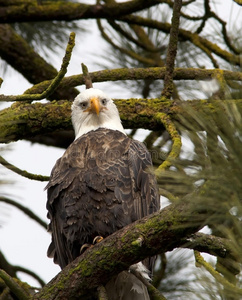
x: 23, y: 241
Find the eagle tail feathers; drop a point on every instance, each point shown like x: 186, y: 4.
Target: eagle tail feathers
x: 126, y: 286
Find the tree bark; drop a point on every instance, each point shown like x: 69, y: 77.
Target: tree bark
x: 30, y: 12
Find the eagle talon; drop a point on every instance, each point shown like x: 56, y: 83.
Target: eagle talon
x: 84, y: 247
x: 97, y: 239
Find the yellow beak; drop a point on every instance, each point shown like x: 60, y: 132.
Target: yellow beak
x: 95, y: 105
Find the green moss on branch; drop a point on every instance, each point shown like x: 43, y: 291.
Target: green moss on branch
x: 136, y: 74
x: 23, y: 121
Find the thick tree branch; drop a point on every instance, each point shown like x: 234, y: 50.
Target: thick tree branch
x: 160, y: 232
x: 75, y: 11
x: 27, y: 120
x: 50, y: 11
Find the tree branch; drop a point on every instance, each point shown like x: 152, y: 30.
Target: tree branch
x: 176, y: 139
x: 119, y: 11
x: 18, y: 291
x: 22, y: 172
x: 210, y: 244
x: 54, y: 83
x: 32, y: 66
x: 136, y: 74
x: 172, y: 49
x: 184, y: 35
x: 200, y: 261
x: 12, y: 270
x: 30, y: 273
x: 49, y: 11
x: 28, y: 120
x: 160, y: 232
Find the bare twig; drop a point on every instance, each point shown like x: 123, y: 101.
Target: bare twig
x: 87, y: 77
x: 185, y: 35
x: 132, y: 54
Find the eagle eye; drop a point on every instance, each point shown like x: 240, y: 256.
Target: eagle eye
x: 104, y: 101
x: 83, y: 105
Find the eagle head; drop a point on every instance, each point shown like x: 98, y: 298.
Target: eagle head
x: 93, y: 109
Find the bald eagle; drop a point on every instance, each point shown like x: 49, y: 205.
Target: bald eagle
x: 102, y: 183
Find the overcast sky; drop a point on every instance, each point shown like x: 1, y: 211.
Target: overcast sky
x: 24, y: 242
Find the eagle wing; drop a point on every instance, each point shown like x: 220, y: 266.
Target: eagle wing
x: 102, y: 183
x: 146, y: 196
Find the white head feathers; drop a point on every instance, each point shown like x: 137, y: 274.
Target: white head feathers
x: 93, y: 109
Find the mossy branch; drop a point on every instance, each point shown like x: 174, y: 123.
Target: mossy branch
x: 14, y: 287
x: 30, y: 273
x: 49, y: 11
x: 161, y: 232
x: 63, y: 11
x: 18, y: 53
x: 200, y: 262
x: 155, y: 73
x: 210, y: 244
x: 176, y: 139
x: 54, y: 83
x: 22, y: 172
x: 28, y: 120
x: 102, y: 294
x: 172, y: 50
